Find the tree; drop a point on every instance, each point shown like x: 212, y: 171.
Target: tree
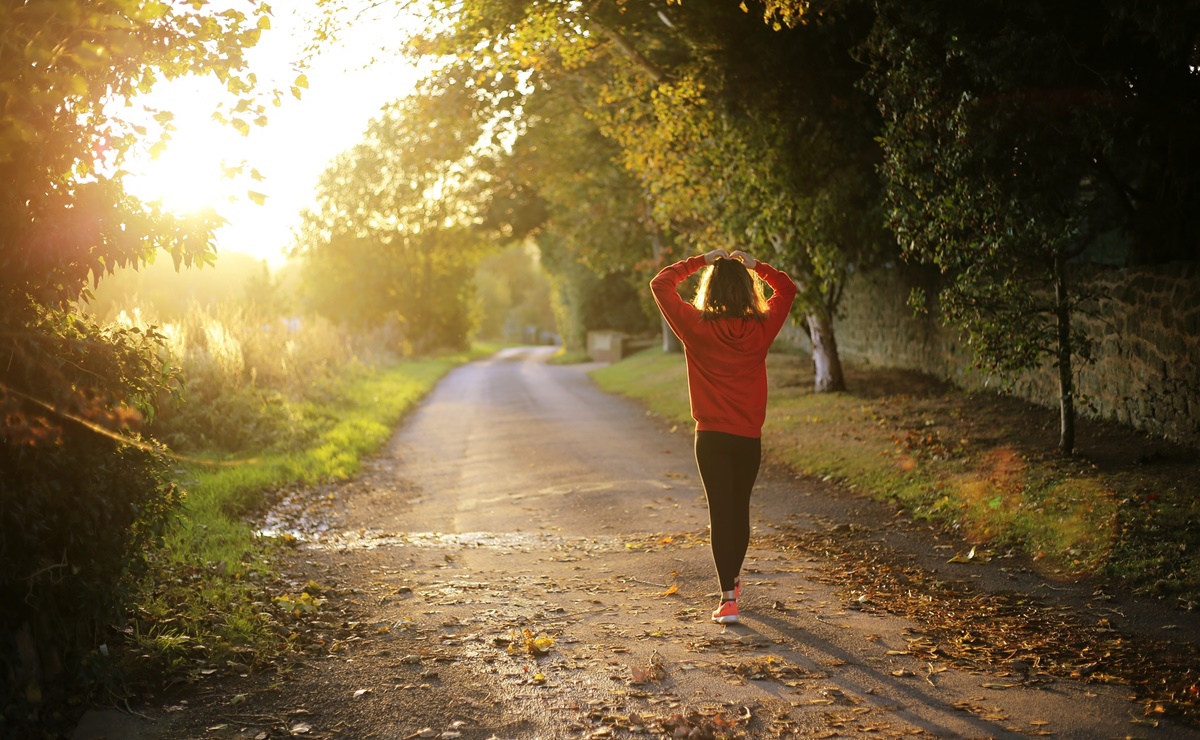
x: 395, y: 233
x: 1015, y: 135
x: 597, y: 237
x: 67, y: 67
x: 80, y: 495
x: 513, y: 296
x: 739, y: 134
x: 550, y: 176
x: 65, y: 219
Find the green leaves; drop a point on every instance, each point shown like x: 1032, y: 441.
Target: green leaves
x: 1002, y: 185
x: 86, y: 54
x: 394, y: 235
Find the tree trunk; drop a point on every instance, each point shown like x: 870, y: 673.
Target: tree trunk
x: 1066, y: 385
x: 825, y: 353
x: 670, y: 342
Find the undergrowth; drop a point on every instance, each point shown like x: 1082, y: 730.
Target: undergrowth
x: 970, y: 462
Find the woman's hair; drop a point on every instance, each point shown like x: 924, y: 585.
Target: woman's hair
x: 729, y: 291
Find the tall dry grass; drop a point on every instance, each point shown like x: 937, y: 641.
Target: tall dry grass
x: 247, y: 376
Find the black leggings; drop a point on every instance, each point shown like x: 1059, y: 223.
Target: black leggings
x: 728, y: 467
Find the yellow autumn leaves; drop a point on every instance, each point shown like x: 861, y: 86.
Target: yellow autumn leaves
x: 527, y: 641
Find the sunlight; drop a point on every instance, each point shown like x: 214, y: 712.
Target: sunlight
x: 210, y: 165
x: 191, y: 173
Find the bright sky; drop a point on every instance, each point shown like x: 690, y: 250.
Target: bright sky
x: 347, y: 87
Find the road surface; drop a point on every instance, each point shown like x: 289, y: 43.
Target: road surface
x: 527, y: 558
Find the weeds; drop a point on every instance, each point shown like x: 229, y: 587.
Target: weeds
x: 356, y: 418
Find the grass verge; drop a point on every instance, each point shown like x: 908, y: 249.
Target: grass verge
x: 208, y: 600
x: 1126, y: 507
x: 568, y: 357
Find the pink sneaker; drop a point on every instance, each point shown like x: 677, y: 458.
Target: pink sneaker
x: 726, y: 614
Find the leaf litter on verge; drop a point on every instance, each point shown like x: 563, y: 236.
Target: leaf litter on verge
x: 975, y: 628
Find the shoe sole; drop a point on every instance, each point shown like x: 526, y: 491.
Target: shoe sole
x: 725, y: 620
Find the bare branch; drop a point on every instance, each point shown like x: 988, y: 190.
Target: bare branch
x: 623, y: 44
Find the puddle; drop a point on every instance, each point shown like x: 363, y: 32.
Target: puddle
x: 516, y: 541
x: 294, y: 515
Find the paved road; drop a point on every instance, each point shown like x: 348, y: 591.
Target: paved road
x: 519, y: 497
x: 514, y: 444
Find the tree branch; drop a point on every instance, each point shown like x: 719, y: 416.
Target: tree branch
x: 627, y: 48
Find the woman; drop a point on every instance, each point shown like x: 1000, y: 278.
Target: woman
x: 725, y: 335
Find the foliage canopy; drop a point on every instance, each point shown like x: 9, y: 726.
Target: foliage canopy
x: 725, y: 148
x: 395, y: 236
x: 1017, y: 136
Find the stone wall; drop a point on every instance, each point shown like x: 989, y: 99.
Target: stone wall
x: 1145, y: 323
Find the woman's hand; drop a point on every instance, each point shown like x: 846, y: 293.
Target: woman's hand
x: 713, y: 256
x: 745, y: 259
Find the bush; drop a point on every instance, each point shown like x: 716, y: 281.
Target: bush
x: 73, y: 545
x: 80, y: 495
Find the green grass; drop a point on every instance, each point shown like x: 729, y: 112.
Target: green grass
x: 207, y: 581
x: 565, y: 357
x: 655, y: 378
x: 957, y: 459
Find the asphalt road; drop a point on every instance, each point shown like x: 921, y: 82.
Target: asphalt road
x: 519, y: 503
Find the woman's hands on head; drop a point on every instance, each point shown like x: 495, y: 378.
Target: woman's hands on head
x: 744, y: 258
x: 739, y: 255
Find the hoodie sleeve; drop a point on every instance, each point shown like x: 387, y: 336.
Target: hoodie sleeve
x: 680, y: 314
x: 780, y: 304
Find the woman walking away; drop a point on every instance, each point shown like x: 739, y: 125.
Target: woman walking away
x: 726, y: 332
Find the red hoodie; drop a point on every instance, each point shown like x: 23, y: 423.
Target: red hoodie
x: 726, y: 358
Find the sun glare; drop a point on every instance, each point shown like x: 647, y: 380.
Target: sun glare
x: 186, y: 179
x: 191, y: 173
x: 347, y: 85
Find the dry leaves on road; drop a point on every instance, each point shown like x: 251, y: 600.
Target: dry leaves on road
x: 1016, y: 638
